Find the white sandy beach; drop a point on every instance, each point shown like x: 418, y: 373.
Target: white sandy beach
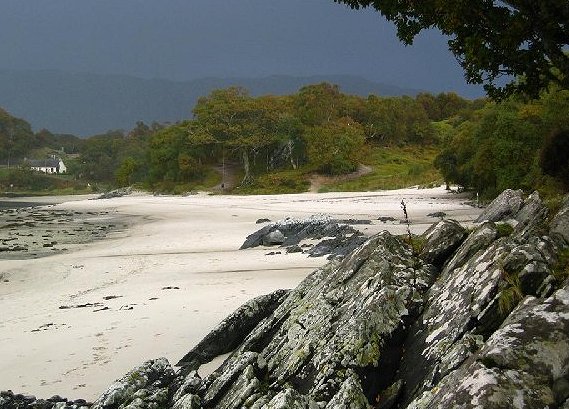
x: 189, y: 244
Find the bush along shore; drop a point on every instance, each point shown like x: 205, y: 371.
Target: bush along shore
x: 464, y: 318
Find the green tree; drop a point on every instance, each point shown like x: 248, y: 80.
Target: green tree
x: 16, y: 137
x: 100, y: 156
x: 335, y: 147
x: 125, y: 172
x: 397, y: 120
x: 496, y: 149
x: 554, y: 157
x: 490, y: 38
x: 165, y: 148
x: 319, y: 103
x: 237, y: 122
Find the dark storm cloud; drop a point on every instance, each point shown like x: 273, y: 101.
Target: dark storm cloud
x: 187, y: 39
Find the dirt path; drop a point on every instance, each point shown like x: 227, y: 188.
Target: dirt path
x: 317, y: 181
x: 228, y: 173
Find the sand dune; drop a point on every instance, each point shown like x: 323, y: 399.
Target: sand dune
x: 158, y: 288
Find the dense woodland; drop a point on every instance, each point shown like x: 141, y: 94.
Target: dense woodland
x: 277, y: 142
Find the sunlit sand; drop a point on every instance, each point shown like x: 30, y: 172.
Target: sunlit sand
x: 159, y: 287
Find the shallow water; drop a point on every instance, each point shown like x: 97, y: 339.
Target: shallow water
x: 11, y: 204
x: 31, y: 232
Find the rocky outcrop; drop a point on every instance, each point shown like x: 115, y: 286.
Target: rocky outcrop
x: 525, y: 363
x: 147, y: 386
x: 336, y: 238
x: 475, y: 319
x: 441, y: 240
x: 124, y: 191
x: 10, y: 400
x: 505, y: 206
x: 560, y: 223
x: 322, y: 333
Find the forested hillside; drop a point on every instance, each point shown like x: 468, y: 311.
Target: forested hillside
x: 236, y: 142
x: 512, y: 144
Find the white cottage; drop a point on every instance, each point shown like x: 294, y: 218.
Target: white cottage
x: 48, y: 165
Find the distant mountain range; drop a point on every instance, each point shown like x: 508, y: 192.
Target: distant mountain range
x: 86, y: 104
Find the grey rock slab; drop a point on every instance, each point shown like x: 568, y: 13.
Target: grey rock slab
x: 223, y: 379
x: 478, y: 240
x: 187, y: 401
x: 534, y: 338
x: 531, y: 216
x: 350, y: 395
x: 146, y: 379
x: 336, y: 238
x: 560, y: 223
x: 479, y: 387
x: 453, y: 304
x: 505, y: 206
x: 343, y: 316
x: 288, y: 399
x: 442, y: 239
x: 519, y: 366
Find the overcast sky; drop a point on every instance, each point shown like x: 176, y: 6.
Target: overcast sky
x: 188, y: 39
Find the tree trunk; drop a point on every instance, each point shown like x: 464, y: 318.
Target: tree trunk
x: 247, y: 179
x: 289, y: 146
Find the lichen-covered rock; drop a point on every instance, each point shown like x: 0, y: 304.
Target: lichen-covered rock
x: 534, y: 338
x: 245, y: 386
x: 530, y: 267
x: 347, y: 315
x: 124, y: 191
x: 455, y: 305
x: 223, y: 379
x: 383, y: 328
x: 350, y: 395
x: 188, y: 401
x: 442, y: 239
x: 486, y: 388
x: 479, y: 239
x: 232, y: 330
x: 11, y: 400
x: 560, y: 223
x: 519, y: 365
x: 287, y: 399
x: 531, y: 216
x: 148, y: 382
x: 388, y: 398
x: 190, y: 384
x: 505, y: 206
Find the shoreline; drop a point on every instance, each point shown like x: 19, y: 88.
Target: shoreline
x: 160, y: 287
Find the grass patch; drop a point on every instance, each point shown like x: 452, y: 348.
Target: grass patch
x: 417, y: 243
x: 511, y: 295
x: 504, y: 229
x: 394, y: 168
x: 210, y: 179
x: 25, y: 182
x: 285, y: 181
x: 561, y: 269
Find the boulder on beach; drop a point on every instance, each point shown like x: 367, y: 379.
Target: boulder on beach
x: 334, y: 238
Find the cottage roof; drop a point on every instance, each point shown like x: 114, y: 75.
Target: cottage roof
x: 44, y: 163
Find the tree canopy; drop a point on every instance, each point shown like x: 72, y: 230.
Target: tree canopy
x: 491, y: 39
